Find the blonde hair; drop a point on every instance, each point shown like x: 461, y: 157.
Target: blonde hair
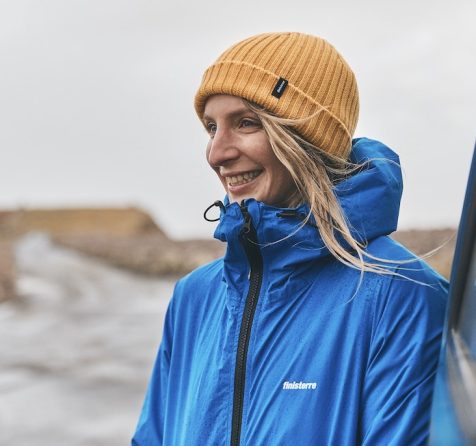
x: 315, y: 174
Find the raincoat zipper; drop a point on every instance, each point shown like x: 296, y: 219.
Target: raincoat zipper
x: 249, y: 240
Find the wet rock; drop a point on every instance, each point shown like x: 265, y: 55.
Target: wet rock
x: 7, y: 271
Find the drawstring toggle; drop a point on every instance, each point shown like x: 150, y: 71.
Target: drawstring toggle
x: 217, y: 203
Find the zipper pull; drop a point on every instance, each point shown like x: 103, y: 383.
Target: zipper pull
x: 245, y: 229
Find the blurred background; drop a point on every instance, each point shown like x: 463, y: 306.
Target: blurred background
x: 103, y: 178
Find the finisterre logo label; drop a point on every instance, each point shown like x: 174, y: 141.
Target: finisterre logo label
x: 279, y: 87
x: 293, y: 385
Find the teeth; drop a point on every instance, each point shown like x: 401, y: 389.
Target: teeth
x: 238, y: 180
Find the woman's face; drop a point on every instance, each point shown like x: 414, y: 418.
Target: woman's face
x: 240, y: 153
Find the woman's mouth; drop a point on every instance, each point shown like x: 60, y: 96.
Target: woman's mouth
x: 239, y: 180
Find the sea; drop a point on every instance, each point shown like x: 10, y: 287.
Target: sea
x: 77, y: 348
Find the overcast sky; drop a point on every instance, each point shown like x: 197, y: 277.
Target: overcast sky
x: 96, y: 97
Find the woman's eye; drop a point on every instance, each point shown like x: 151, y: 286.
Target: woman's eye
x: 211, y: 128
x: 250, y: 123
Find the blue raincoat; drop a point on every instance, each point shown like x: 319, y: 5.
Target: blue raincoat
x: 278, y: 343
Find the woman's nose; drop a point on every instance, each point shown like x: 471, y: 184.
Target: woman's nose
x: 222, y: 148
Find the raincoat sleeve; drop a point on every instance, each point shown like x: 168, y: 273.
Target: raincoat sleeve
x: 150, y: 427
x: 406, y: 338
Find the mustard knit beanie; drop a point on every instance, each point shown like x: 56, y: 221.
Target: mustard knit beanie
x: 293, y: 76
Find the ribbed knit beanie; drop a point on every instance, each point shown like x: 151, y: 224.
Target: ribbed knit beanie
x: 294, y: 76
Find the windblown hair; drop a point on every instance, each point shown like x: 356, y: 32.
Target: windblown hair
x: 315, y: 174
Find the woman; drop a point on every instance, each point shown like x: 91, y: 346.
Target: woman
x: 315, y: 328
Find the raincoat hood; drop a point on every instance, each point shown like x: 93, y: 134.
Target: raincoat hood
x: 370, y: 200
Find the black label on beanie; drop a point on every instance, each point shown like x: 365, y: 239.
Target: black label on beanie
x: 280, y: 87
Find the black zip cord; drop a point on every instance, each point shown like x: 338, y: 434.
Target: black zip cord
x: 217, y: 203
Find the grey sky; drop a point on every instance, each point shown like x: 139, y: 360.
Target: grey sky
x: 96, y: 97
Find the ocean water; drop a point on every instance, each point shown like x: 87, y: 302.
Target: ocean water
x: 77, y: 347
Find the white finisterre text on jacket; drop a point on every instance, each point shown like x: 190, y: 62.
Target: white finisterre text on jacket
x: 293, y: 385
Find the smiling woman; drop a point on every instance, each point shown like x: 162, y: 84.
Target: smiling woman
x: 316, y: 327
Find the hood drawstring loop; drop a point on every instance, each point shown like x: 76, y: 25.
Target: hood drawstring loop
x: 217, y: 203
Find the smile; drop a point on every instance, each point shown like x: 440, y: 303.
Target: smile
x: 238, y: 180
